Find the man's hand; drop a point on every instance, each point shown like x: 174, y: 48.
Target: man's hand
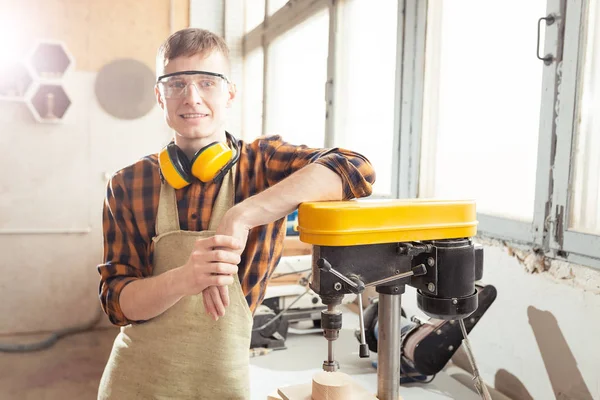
x: 216, y: 298
x: 213, y: 262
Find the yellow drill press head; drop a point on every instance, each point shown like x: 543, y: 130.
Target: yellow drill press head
x: 370, y: 240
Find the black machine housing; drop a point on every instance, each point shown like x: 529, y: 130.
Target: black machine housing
x: 445, y: 291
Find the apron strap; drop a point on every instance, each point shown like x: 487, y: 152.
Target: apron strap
x: 225, y: 199
x: 167, y: 218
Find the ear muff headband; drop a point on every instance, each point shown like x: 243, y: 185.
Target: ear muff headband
x: 235, y: 158
x: 211, y: 162
x: 174, y: 166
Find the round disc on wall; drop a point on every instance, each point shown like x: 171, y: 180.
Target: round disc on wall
x: 125, y: 89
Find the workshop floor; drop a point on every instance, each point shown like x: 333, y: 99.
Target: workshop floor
x: 71, y: 369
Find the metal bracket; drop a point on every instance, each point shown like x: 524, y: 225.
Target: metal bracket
x: 428, y: 282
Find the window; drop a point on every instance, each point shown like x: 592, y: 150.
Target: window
x: 447, y: 100
x: 296, y: 77
x: 517, y: 134
x: 585, y: 215
x: 275, y: 5
x: 303, y: 54
x: 254, y: 14
x: 482, y: 106
x: 365, y: 84
x: 574, y: 231
x: 252, y: 95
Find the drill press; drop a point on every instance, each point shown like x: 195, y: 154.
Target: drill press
x: 388, y: 244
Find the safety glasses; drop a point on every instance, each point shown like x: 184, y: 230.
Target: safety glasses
x: 177, y: 84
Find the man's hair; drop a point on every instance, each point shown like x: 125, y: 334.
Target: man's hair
x: 189, y: 42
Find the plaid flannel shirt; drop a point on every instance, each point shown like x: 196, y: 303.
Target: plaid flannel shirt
x: 131, y: 206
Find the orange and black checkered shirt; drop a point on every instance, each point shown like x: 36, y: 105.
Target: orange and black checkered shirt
x: 131, y: 207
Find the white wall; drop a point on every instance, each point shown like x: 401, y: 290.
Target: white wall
x: 52, y: 177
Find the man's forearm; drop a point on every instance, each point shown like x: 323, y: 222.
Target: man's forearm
x: 147, y: 298
x: 314, y: 182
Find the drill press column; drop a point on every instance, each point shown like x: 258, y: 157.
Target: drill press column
x: 388, y: 369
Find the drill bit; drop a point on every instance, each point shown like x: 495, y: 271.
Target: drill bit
x: 478, y: 381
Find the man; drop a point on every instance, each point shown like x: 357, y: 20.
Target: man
x: 187, y: 254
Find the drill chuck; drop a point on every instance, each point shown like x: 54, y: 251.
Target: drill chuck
x: 331, y: 322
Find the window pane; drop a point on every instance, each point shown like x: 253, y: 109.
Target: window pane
x: 275, y: 5
x: 586, y: 189
x: 482, y: 105
x: 365, y: 89
x: 252, y: 95
x: 255, y: 14
x: 297, y: 73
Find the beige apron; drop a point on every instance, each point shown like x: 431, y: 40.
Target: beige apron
x: 183, y: 353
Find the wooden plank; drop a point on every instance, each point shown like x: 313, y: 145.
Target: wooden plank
x: 292, y: 246
x: 304, y: 392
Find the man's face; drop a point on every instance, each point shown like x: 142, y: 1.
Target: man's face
x: 195, y: 105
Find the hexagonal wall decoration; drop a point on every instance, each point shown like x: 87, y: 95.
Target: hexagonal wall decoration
x: 50, y: 60
x: 15, y: 82
x: 49, y: 103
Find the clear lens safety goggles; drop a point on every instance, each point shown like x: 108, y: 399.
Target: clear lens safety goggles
x: 177, y: 84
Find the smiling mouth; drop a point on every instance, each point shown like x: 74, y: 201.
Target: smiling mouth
x: 192, y: 116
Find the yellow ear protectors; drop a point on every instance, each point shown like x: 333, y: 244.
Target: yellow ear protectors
x: 210, y: 163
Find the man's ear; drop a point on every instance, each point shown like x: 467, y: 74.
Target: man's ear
x: 159, y: 98
x: 232, y: 94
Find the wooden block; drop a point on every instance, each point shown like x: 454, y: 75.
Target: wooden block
x: 304, y: 392
x: 296, y: 392
x: 274, y: 396
x: 331, y: 386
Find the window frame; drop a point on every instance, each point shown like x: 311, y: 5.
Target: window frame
x: 548, y: 232
x: 412, y: 29
x: 504, y: 228
x: 563, y: 241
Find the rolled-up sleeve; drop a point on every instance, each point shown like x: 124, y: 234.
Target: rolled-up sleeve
x: 357, y: 173
x: 283, y: 159
x: 125, y: 253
